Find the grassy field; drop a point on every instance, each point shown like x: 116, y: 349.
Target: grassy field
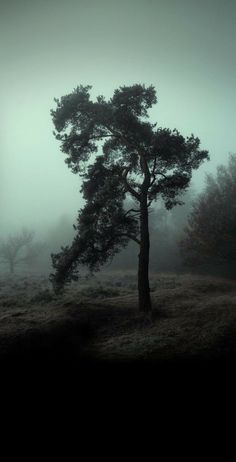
x: 97, y: 321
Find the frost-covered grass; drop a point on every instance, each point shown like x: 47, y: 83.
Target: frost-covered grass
x: 193, y: 317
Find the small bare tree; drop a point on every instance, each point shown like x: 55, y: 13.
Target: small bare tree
x: 18, y: 248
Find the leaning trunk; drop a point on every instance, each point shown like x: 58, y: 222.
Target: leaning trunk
x: 143, y: 268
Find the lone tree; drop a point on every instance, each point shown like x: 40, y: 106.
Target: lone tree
x: 18, y: 248
x: 137, y: 159
x: 210, y: 235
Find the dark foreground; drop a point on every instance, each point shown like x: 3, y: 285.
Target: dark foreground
x: 95, y: 325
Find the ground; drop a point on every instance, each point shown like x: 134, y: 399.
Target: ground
x: 97, y: 321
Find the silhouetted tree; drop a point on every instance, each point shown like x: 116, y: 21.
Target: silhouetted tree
x: 210, y: 236
x: 138, y: 159
x: 19, y: 248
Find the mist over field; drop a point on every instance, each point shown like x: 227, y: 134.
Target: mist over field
x: 186, y: 50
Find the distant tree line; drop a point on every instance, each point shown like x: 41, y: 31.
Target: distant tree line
x: 210, y: 235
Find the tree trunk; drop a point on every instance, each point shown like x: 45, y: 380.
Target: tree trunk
x: 143, y: 268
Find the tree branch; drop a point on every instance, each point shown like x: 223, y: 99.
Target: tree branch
x: 162, y: 174
x: 153, y: 174
x: 132, y: 210
x: 128, y: 186
x: 130, y: 236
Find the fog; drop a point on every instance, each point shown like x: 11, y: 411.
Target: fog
x: 186, y: 49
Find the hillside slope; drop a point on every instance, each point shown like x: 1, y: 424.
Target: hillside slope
x: 194, y: 318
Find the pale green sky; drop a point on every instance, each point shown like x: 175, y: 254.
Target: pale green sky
x: 186, y: 49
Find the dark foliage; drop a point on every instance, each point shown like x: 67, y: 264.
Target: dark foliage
x: 102, y: 226
x: 210, y: 236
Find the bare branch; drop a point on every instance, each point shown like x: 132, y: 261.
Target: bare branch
x: 132, y: 210
x: 134, y: 238
x: 162, y: 174
x: 154, y: 166
x: 129, y: 188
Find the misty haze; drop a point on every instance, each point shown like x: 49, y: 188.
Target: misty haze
x: 118, y: 181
